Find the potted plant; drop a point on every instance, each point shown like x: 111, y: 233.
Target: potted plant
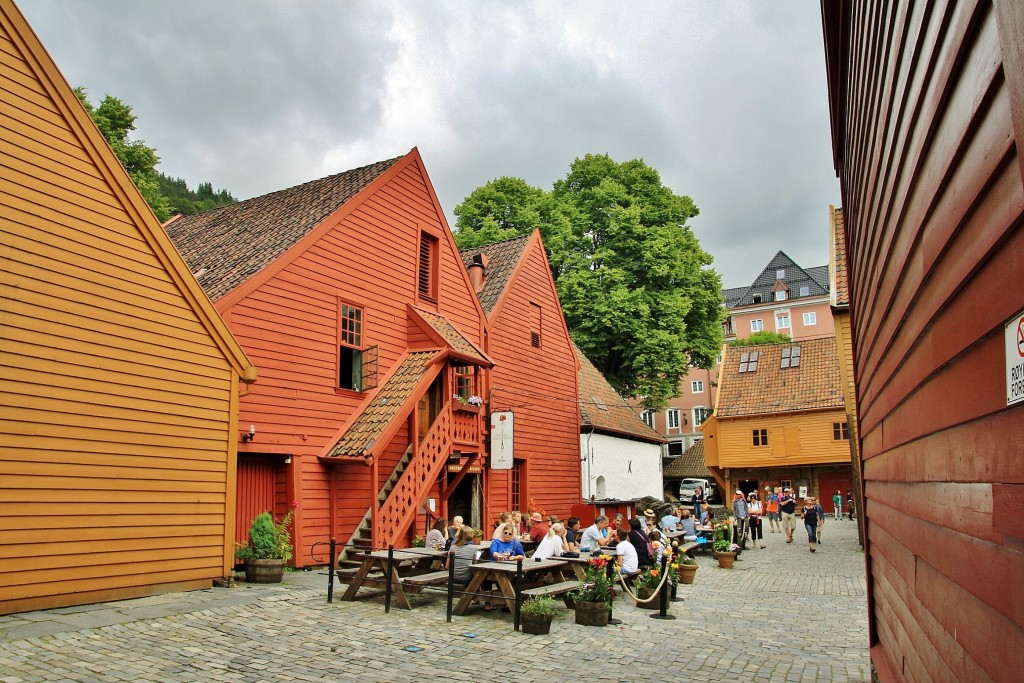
x: 725, y: 549
x: 268, y: 549
x: 592, y: 598
x: 647, y: 588
x: 536, y: 613
x: 684, y: 568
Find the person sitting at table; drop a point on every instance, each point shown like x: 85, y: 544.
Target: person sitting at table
x: 554, y: 544
x: 670, y: 521
x: 639, y: 540
x: 538, y: 528
x: 507, y: 547
x: 453, y: 530
x: 463, y: 553
x: 592, y: 537
x: 503, y: 518
x: 626, y: 554
x: 649, y: 521
x: 705, y: 514
x: 572, y: 534
x: 654, y: 537
x: 688, y: 525
x: 437, y: 536
x: 518, y: 527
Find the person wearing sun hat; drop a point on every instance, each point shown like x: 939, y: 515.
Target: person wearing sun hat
x: 649, y: 522
x: 538, y: 527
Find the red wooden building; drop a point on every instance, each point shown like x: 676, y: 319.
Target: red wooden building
x: 927, y: 108
x: 534, y: 377
x: 350, y: 295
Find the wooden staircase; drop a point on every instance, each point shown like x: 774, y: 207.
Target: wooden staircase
x: 362, y: 538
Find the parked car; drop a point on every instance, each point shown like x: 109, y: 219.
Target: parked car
x: 687, y: 487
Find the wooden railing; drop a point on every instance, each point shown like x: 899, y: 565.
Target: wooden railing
x: 426, y: 465
x: 466, y: 425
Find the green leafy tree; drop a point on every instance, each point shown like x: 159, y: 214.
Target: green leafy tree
x: 115, y: 120
x: 762, y: 338
x: 636, y: 288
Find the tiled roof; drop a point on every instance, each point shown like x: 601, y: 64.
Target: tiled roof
x: 502, y: 259
x: 602, y: 409
x: 451, y: 335
x: 371, y: 423
x: 840, y: 273
x: 815, y: 279
x: 689, y: 464
x: 814, y: 384
x: 226, y: 246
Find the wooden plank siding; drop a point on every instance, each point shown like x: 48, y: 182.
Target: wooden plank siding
x: 927, y: 105
x: 793, y: 439
x: 118, y: 381
x: 538, y: 385
x: 366, y: 255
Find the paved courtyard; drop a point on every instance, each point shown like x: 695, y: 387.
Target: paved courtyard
x: 782, y: 614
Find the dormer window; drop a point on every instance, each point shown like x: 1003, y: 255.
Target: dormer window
x: 757, y: 298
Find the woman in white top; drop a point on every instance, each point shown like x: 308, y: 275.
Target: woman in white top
x: 553, y: 544
x: 755, y: 509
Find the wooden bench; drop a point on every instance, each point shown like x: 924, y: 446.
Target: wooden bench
x: 687, y: 548
x: 428, y: 579
x: 551, y: 590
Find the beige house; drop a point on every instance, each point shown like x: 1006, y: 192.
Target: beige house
x: 120, y: 380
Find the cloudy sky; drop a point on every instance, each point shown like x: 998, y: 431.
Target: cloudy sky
x: 727, y: 100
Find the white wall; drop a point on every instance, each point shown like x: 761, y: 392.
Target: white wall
x: 631, y: 469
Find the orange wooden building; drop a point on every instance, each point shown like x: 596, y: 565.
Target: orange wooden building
x: 350, y: 295
x: 780, y: 420
x: 927, y: 115
x: 534, y: 378
x: 120, y: 381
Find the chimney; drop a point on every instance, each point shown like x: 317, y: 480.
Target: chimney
x: 478, y: 272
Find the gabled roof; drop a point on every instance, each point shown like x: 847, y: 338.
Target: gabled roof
x: 392, y: 402
x: 448, y: 334
x: 840, y: 272
x: 502, y: 259
x: 814, y: 384
x: 815, y: 279
x: 226, y: 246
x: 603, y: 410
x: 689, y: 464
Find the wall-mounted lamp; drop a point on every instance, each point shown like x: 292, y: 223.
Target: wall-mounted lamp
x: 249, y: 435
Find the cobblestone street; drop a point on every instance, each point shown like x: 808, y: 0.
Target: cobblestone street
x: 782, y: 614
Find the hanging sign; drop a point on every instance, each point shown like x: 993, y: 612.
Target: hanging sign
x: 1014, y: 334
x: 502, y: 452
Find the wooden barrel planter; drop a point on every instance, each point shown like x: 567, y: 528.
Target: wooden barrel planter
x: 536, y: 624
x: 592, y: 613
x: 264, y: 571
x: 687, y: 572
x: 644, y: 593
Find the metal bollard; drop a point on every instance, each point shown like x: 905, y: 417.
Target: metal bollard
x: 451, y: 582
x: 387, y: 578
x: 519, y: 590
x: 330, y: 575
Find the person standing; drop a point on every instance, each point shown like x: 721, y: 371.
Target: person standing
x: 754, y: 511
x: 849, y: 505
x: 809, y: 513
x: 787, y: 506
x: 837, y: 501
x: 739, y: 511
x: 821, y: 518
x: 697, y: 500
x: 772, y: 508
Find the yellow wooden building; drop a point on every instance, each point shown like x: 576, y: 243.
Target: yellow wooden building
x: 780, y: 420
x: 119, y: 380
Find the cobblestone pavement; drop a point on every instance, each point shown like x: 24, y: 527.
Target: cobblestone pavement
x: 782, y: 614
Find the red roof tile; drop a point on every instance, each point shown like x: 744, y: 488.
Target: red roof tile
x: 502, y: 259
x: 689, y: 464
x: 602, y: 409
x: 813, y: 385
x: 453, y: 337
x: 840, y: 271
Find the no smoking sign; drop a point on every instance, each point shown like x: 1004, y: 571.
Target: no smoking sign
x: 1014, y: 335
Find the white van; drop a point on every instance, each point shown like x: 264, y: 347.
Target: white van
x: 687, y: 487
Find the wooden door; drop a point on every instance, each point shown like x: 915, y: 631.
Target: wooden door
x: 256, y: 485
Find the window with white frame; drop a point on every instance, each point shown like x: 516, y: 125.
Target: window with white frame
x: 718, y: 359
x: 810, y: 318
x: 699, y: 415
x: 780, y: 274
x: 780, y: 295
x: 672, y: 418
x: 756, y: 325
x: 648, y: 417
x: 697, y: 386
x: 782, y: 321
x: 805, y: 291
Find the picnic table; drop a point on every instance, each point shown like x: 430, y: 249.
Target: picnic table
x: 504, y: 574
x: 578, y: 565
x: 407, y: 561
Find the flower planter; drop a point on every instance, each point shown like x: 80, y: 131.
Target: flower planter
x: 467, y: 408
x: 643, y: 593
x: 537, y: 624
x: 264, y: 571
x: 592, y: 613
x: 725, y: 560
x: 687, y: 572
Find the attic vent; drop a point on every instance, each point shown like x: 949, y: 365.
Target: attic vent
x: 535, y: 340
x: 748, y: 361
x: 791, y: 357
x: 599, y: 403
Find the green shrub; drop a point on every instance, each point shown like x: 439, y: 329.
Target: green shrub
x: 267, y: 540
x: 539, y: 605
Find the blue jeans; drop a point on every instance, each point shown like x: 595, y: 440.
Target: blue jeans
x: 812, y: 532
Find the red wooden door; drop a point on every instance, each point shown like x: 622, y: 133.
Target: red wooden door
x: 256, y: 478
x: 828, y: 484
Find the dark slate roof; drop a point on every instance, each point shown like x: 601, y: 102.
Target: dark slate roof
x: 226, y: 246
x: 602, y: 409
x: 815, y: 279
x: 502, y: 259
x: 689, y: 464
x: 814, y: 385
x: 371, y: 423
